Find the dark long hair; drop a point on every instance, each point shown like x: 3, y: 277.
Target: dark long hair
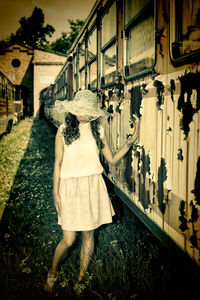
x: 71, y: 132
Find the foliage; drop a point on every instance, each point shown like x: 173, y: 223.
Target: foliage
x: 4, y: 43
x: 32, y: 31
x: 64, y: 43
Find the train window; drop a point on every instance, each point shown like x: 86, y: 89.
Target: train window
x: 81, y: 56
x: 108, y: 46
x: 184, y: 29
x: 82, y: 66
x: 82, y: 79
x: 108, y: 25
x: 65, y: 75
x: 75, y: 85
x: 92, y: 45
x: 74, y: 62
x: 1, y: 86
x: 75, y: 67
x: 139, y: 42
x: 9, y: 91
x: 92, y: 60
x: 92, y: 70
x: 109, y: 64
x: 132, y: 8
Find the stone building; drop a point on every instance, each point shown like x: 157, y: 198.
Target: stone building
x: 31, y: 70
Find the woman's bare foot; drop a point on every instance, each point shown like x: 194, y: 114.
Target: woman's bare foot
x: 80, y: 277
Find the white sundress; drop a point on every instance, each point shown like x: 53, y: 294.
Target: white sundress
x: 85, y: 203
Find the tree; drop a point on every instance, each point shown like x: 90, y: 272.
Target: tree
x: 3, y: 44
x: 64, y: 43
x: 32, y: 31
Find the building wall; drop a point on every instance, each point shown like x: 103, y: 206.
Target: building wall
x: 34, y: 70
x: 46, y: 68
x: 23, y: 54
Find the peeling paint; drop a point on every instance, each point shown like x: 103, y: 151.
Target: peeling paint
x: 196, y: 190
x: 144, y: 168
x: 128, y: 172
x: 119, y: 89
x: 101, y: 98
x: 183, y: 226
x: 194, y: 218
x: 180, y: 154
x: 119, y: 107
x: 162, y: 177
x: 172, y: 88
x: 143, y: 88
x: 136, y: 101
x: 159, y: 35
x: 154, y: 192
x: 159, y: 90
x: 189, y: 82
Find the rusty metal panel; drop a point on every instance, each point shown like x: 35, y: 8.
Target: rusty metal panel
x: 160, y: 173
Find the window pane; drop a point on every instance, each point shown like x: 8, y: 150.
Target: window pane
x: 140, y: 48
x: 93, y: 75
x: 109, y: 25
x: 133, y: 7
x: 75, y: 83
x: 82, y: 79
x: 75, y: 64
x: 82, y: 56
x: 109, y: 64
x: 188, y: 26
x: 92, y: 45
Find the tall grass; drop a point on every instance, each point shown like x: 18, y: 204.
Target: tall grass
x: 128, y: 261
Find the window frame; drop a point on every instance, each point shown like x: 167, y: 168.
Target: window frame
x: 174, y: 38
x: 107, y: 45
x: 127, y: 27
x: 75, y: 71
x: 92, y: 60
x: 83, y: 67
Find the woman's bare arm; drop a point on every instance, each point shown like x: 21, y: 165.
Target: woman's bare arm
x: 59, y: 149
x: 113, y: 159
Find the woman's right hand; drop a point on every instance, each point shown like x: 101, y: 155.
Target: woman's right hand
x: 57, y: 203
x: 133, y: 134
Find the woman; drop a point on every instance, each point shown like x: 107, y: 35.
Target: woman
x: 80, y: 195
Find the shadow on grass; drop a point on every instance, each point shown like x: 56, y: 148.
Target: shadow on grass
x: 128, y: 263
x: 29, y: 222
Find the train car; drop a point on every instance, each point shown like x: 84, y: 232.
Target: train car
x: 11, y: 104
x: 18, y: 105
x: 142, y: 58
x: 61, y: 89
x: 7, y: 95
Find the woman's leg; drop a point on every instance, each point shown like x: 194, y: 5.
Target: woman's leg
x: 65, y: 243
x: 86, y: 251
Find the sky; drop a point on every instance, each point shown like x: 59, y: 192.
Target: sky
x: 56, y: 13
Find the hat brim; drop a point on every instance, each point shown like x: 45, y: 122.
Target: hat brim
x: 76, y: 109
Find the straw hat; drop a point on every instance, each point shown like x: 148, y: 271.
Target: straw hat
x: 84, y: 104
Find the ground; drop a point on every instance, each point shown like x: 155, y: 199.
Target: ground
x: 128, y: 263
